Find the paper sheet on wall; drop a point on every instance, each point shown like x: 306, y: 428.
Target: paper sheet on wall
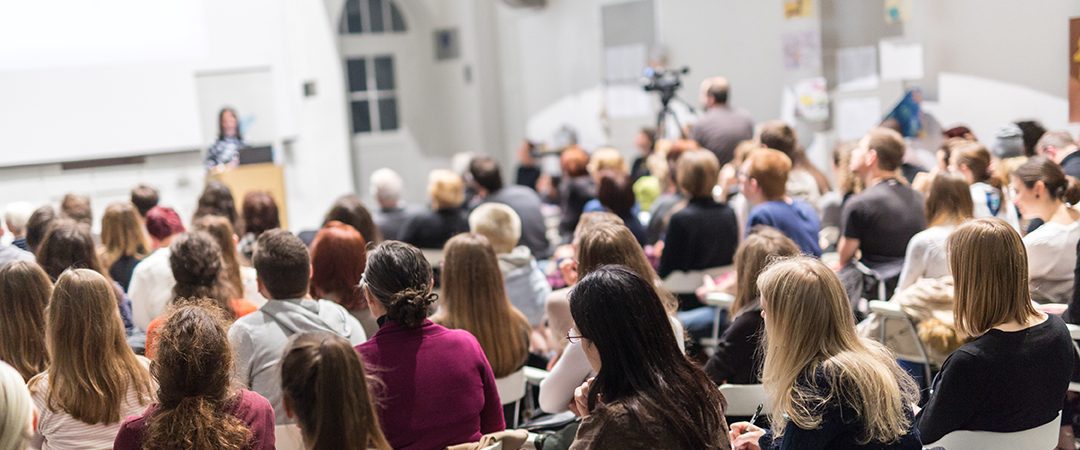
x: 795, y: 9
x: 627, y: 101
x: 812, y: 99
x: 855, y: 116
x: 856, y: 68
x: 900, y: 61
x: 624, y: 63
x: 897, y: 11
x: 802, y: 50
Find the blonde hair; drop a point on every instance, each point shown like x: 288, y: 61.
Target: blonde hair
x: 122, y: 234
x: 604, y: 242
x: 607, y: 158
x: 697, y: 173
x: 24, y: 294
x: 92, y: 368
x: 446, y: 189
x: 810, y: 333
x: 474, y: 299
x: 16, y: 409
x: 990, y: 276
x: 763, y: 245
x: 498, y: 223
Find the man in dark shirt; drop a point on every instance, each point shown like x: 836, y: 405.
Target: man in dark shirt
x: 1060, y: 147
x: 487, y: 181
x: 881, y: 220
x: 721, y: 128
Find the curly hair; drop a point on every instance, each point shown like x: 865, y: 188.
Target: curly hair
x: 195, y: 259
x: 195, y: 393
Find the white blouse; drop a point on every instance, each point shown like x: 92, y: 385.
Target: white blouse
x: 926, y: 256
x: 1051, y: 250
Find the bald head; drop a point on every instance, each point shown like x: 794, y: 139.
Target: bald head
x: 714, y: 91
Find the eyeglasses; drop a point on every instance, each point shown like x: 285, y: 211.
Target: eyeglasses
x: 573, y: 338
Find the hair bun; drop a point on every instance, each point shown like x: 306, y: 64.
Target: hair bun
x: 410, y: 306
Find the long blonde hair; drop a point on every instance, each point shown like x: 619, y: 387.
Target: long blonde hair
x: 474, y: 299
x: 605, y: 243
x: 809, y: 333
x: 24, y: 295
x: 92, y: 368
x: 122, y: 234
x: 989, y: 264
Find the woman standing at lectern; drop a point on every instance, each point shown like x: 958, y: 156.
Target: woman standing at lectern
x: 225, y: 153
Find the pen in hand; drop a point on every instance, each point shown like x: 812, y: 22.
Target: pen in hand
x: 753, y: 418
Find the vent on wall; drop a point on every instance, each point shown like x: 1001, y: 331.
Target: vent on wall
x: 526, y: 3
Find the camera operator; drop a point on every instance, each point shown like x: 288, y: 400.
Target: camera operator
x: 721, y: 128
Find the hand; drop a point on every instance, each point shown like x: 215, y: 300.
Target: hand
x: 580, y: 404
x: 568, y: 269
x: 745, y: 436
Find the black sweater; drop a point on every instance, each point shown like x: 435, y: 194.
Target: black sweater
x: 701, y: 236
x: 738, y: 357
x: 1001, y: 381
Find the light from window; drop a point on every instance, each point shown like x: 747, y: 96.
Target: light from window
x: 374, y: 101
x: 372, y: 16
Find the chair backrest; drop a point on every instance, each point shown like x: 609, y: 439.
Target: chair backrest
x: 1042, y: 436
x: 434, y: 256
x: 1074, y: 330
x: 721, y: 300
x: 913, y: 349
x: 743, y: 399
x: 288, y: 437
x: 496, y: 446
x: 680, y: 282
x: 511, y: 387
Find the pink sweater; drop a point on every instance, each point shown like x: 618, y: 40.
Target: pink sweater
x: 438, y: 386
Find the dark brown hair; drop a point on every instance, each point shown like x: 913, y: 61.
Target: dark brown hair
x: 222, y: 231
x: 1041, y: 168
x: 615, y: 192
x: 949, y: 200
x: 283, y: 264
x: 217, y: 200
x: 350, y: 210
x: 38, y: 225
x: 68, y: 244
x: 260, y: 213
x: 698, y: 171
x: 324, y: 384
x: 193, y: 368
x: 24, y: 294
x: 778, y: 135
x: 144, y: 198
x: 195, y: 259
x: 399, y: 277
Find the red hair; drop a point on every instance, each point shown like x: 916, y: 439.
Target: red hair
x: 162, y: 222
x: 338, y: 257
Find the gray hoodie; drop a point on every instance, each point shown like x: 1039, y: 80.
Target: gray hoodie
x: 258, y: 340
x: 526, y: 284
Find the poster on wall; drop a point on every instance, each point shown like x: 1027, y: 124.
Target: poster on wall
x: 1074, y: 70
x: 812, y: 99
x: 896, y: 11
x: 797, y: 9
x: 802, y: 50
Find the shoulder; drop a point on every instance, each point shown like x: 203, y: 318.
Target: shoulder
x: 252, y: 402
x: 130, y: 433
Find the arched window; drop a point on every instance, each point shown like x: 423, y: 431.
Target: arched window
x: 372, y: 16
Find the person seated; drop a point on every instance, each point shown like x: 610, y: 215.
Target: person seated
x: 804, y: 181
x: 284, y: 269
x: 392, y: 214
x: 664, y: 165
x: 327, y: 390
x: 575, y: 189
x: 1013, y: 375
x: 738, y: 357
x: 437, y: 386
x: 123, y: 242
x: 763, y: 181
x: 947, y: 207
x: 972, y: 162
x: 94, y: 379
x: 77, y: 207
x: 17, y: 409
x: 198, y: 406
x: 525, y: 284
x: 645, y: 394
x: 1041, y: 187
x: 1060, y: 147
x: 260, y: 213
x: 350, y: 210
x: 196, y: 263
x: 338, y: 255
x: 645, y: 141
x: 240, y: 281
x: 879, y: 221
x: 152, y: 281
x: 614, y: 194
x: 828, y: 387
x: 474, y: 299
x: 431, y: 229
x: 216, y: 200
x: 15, y: 217
x: 486, y: 180
x: 705, y: 233
x: 144, y: 198
x: 24, y: 296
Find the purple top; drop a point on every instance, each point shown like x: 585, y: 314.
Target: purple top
x: 438, y: 386
x: 251, y: 408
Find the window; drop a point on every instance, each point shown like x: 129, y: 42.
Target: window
x: 372, y: 16
x: 372, y: 93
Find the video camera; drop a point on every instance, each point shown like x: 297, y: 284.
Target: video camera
x: 664, y: 81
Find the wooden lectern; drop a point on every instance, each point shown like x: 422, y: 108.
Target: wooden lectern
x: 267, y: 177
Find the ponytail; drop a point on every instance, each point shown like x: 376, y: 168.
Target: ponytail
x: 1071, y: 191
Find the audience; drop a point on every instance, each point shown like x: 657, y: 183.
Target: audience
x: 645, y: 394
x: 705, y: 233
x: 239, y: 280
x: 575, y: 189
x: 431, y: 229
x: 1060, y: 147
x: 123, y: 242
x: 284, y: 269
x: 152, y: 281
x: 350, y: 210
x: 764, y: 177
x: 1013, y: 375
x: 327, y: 390
x: 17, y: 410
x: 645, y: 141
x: 77, y: 207
x: 972, y: 162
x: 474, y: 300
x: 338, y: 255
x: 438, y: 388
x: 738, y: 357
x: 144, y: 198
x: 94, y: 380
x: 948, y: 205
x: 1032, y: 131
x: 11, y: 253
x: 216, y: 200
x: 804, y: 181
x: 391, y: 215
x: 488, y: 183
x: 664, y: 165
x: 827, y: 387
x: 260, y: 213
x: 722, y: 127
x: 24, y: 296
x: 15, y: 217
x: 614, y: 194
x: 198, y: 404
x: 1040, y: 186
x: 37, y: 225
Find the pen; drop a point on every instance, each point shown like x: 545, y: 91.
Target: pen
x: 756, y: 412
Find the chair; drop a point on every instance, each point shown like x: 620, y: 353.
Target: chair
x: 1042, y: 436
x: 496, y: 446
x: 686, y: 283
x: 722, y: 301
x: 288, y: 437
x: 743, y: 399
x: 890, y: 311
x: 512, y: 390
